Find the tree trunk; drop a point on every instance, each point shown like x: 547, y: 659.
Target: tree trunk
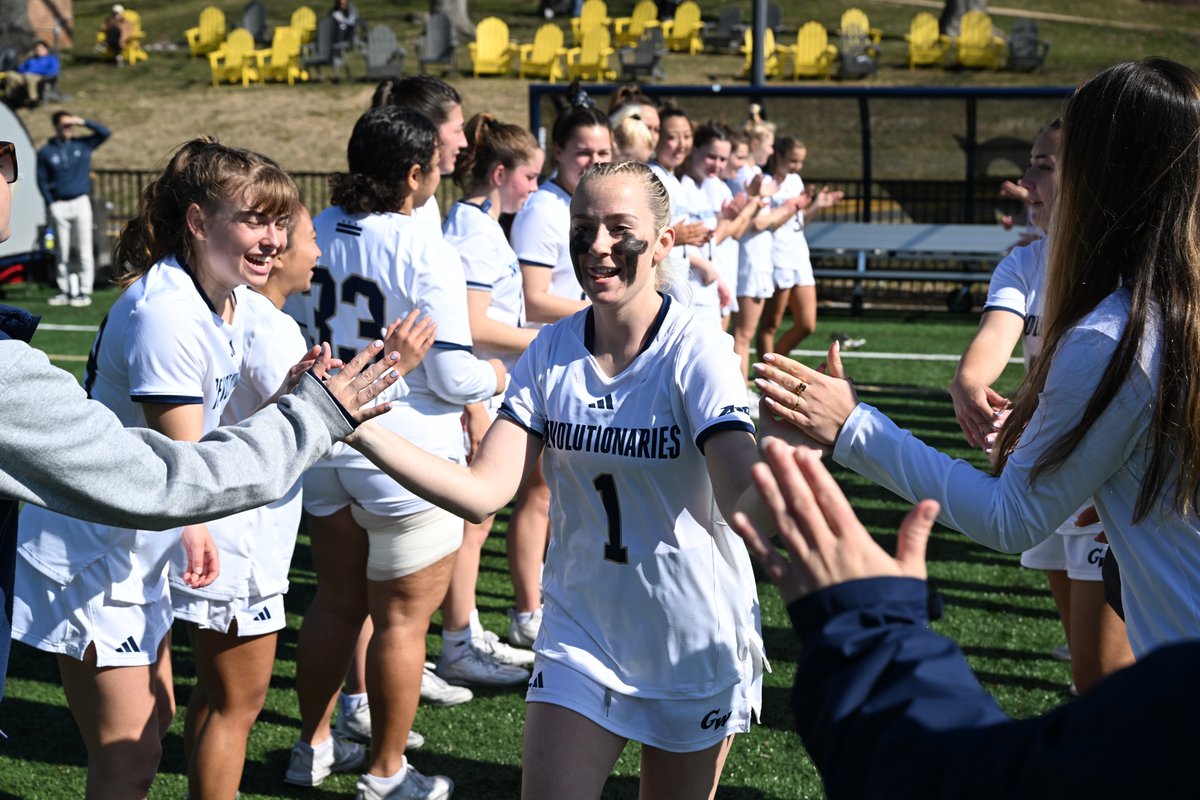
x: 456, y: 10
x: 15, y: 30
x: 953, y: 11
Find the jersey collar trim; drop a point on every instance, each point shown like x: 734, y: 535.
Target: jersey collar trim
x: 589, y: 326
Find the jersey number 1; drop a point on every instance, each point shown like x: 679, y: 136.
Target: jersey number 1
x: 613, y: 549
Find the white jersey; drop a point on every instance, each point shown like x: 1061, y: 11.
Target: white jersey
x: 726, y: 253
x: 647, y: 591
x: 789, y: 248
x: 679, y: 206
x: 429, y: 213
x: 540, y: 232
x: 489, y: 265
x: 1016, y: 286
x: 162, y: 342
x: 756, y: 246
x: 697, y: 207
x: 256, y: 545
x: 376, y: 268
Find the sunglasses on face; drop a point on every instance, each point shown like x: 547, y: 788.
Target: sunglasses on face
x: 8, y: 161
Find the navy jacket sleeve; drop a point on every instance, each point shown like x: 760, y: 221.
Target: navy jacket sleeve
x: 887, y: 708
x: 99, y: 134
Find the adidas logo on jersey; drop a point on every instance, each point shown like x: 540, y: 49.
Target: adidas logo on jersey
x: 711, y: 720
x: 129, y: 646
x: 263, y: 616
x: 605, y: 402
x: 348, y: 228
x: 536, y: 683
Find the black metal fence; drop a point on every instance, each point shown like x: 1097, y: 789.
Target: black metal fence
x: 889, y: 201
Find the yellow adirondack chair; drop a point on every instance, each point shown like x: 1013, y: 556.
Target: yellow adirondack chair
x: 589, y: 61
x: 855, y: 23
x: 492, y: 52
x: 133, y: 51
x: 235, y: 60
x: 281, y: 61
x: 628, y: 30
x: 812, y: 55
x: 210, y: 33
x: 682, y: 34
x: 926, y: 43
x: 543, y: 58
x: 304, y: 21
x: 773, y: 56
x: 594, y: 14
x: 977, y: 45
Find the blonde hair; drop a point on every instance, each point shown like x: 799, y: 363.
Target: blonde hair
x: 633, y: 139
x: 755, y: 127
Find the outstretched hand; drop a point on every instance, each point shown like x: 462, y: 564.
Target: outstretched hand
x: 411, y: 337
x: 815, y: 401
x: 825, y: 542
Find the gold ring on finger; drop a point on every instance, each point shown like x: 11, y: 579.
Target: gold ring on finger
x: 795, y: 402
x: 801, y: 387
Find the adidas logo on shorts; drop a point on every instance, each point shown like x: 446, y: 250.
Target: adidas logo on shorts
x: 129, y: 646
x: 536, y: 683
x: 263, y: 616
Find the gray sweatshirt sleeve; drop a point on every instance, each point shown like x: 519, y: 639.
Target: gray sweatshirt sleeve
x: 70, y: 454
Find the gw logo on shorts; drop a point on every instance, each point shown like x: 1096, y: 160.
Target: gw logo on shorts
x: 1096, y: 556
x: 711, y: 720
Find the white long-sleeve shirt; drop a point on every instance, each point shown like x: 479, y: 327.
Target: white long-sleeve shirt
x: 1159, y: 555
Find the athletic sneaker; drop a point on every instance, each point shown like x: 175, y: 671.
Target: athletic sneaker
x: 356, y: 725
x: 307, y: 767
x: 479, y: 667
x: 512, y: 656
x: 80, y: 301
x: 59, y: 300
x: 436, y: 692
x: 415, y: 786
x: 522, y: 634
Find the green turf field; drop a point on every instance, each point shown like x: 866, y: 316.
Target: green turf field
x: 1001, y: 614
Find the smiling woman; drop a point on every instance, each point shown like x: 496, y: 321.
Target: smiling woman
x: 636, y: 406
x: 167, y: 356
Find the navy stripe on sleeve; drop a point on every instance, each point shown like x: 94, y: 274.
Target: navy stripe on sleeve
x: 1004, y: 308
x: 172, y: 399
x: 507, y: 412
x: 452, y: 346
x: 724, y: 425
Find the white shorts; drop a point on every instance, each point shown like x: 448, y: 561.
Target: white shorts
x: 254, y: 615
x: 754, y: 284
x: 329, y: 488
x: 1072, y: 550
x: 677, y: 726
x: 400, y: 546
x: 784, y: 277
x: 67, y: 619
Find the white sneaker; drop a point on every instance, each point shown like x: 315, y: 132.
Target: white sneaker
x: 522, y: 634
x: 436, y: 692
x: 58, y: 300
x: 479, y: 667
x: 415, y: 786
x: 356, y: 725
x: 80, y: 301
x: 306, y: 767
x: 511, y: 656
